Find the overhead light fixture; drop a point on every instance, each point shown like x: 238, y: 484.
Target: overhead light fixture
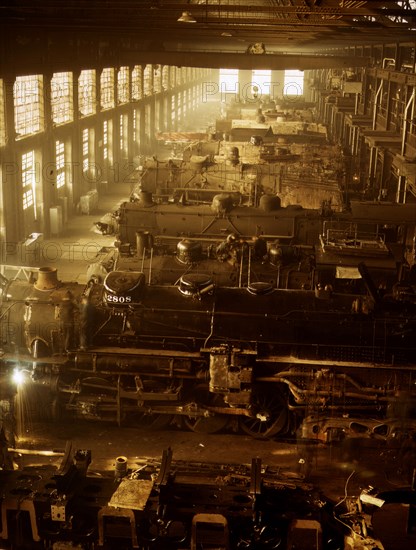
x: 186, y: 17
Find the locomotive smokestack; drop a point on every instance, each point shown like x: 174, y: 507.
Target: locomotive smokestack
x: 47, y: 278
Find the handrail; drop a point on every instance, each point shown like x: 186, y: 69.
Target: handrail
x: 26, y: 271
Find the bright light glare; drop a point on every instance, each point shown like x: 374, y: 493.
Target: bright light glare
x: 18, y: 377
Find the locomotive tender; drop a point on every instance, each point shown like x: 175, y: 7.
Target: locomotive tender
x: 125, y: 350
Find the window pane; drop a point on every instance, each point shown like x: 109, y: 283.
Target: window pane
x: 107, y: 89
x: 136, y: 83
x: 28, y: 105
x: 229, y: 81
x: 293, y: 83
x: 28, y: 179
x: 87, y: 93
x: 147, y: 80
x: 262, y: 79
x: 123, y: 94
x: 85, y: 149
x: 2, y: 121
x: 61, y: 98
x: 60, y: 164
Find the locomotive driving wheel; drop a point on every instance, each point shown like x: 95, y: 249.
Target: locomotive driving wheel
x: 269, y: 414
x: 153, y: 421
x: 206, y: 424
x: 210, y: 423
x: 148, y: 418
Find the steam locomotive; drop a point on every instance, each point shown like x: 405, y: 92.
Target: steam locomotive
x: 223, y: 216
x: 226, y: 215
x: 290, y: 247
x: 256, y: 357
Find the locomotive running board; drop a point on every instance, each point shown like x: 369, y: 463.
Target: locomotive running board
x: 135, y: 351
x: 330, y: 363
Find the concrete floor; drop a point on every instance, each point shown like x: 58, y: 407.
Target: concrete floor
x: 365, y: 461
x: 334, y: 472
x: 79, y: 243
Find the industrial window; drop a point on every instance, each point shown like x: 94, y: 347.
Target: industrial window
x: 85, y: 149
x: 134, y: 125
x: 136, y: 132
x: 28, y: 105
x: 293, y: 85
x: 136, y: 83
x: 180, y: 75
x: 107, y: 89
x: 228, y: 81
x: 262, y: 80
x: 179, y: 106
x: 147, y: 127
x: 60, y: 164
x: 105, y: 139
x: 179, y: 80
x: 28, y: 179
x: 61, y: 98
x: 2, y: 123
x: 108, y: 141
x: 184, y: 102
x: 165, y: 77
x: 123, y: 94
x: 172, y: 76
x: 147, y: 80
x: 166, y: 114
x: 173, y: 108
x: 157, y: 78
x: 157, y: 114
x: 87, y: 92
x: 123, y: 128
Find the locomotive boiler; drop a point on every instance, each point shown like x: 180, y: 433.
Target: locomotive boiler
x: 223, y: 216
x: 292, y: 225
x: 255, y: 357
